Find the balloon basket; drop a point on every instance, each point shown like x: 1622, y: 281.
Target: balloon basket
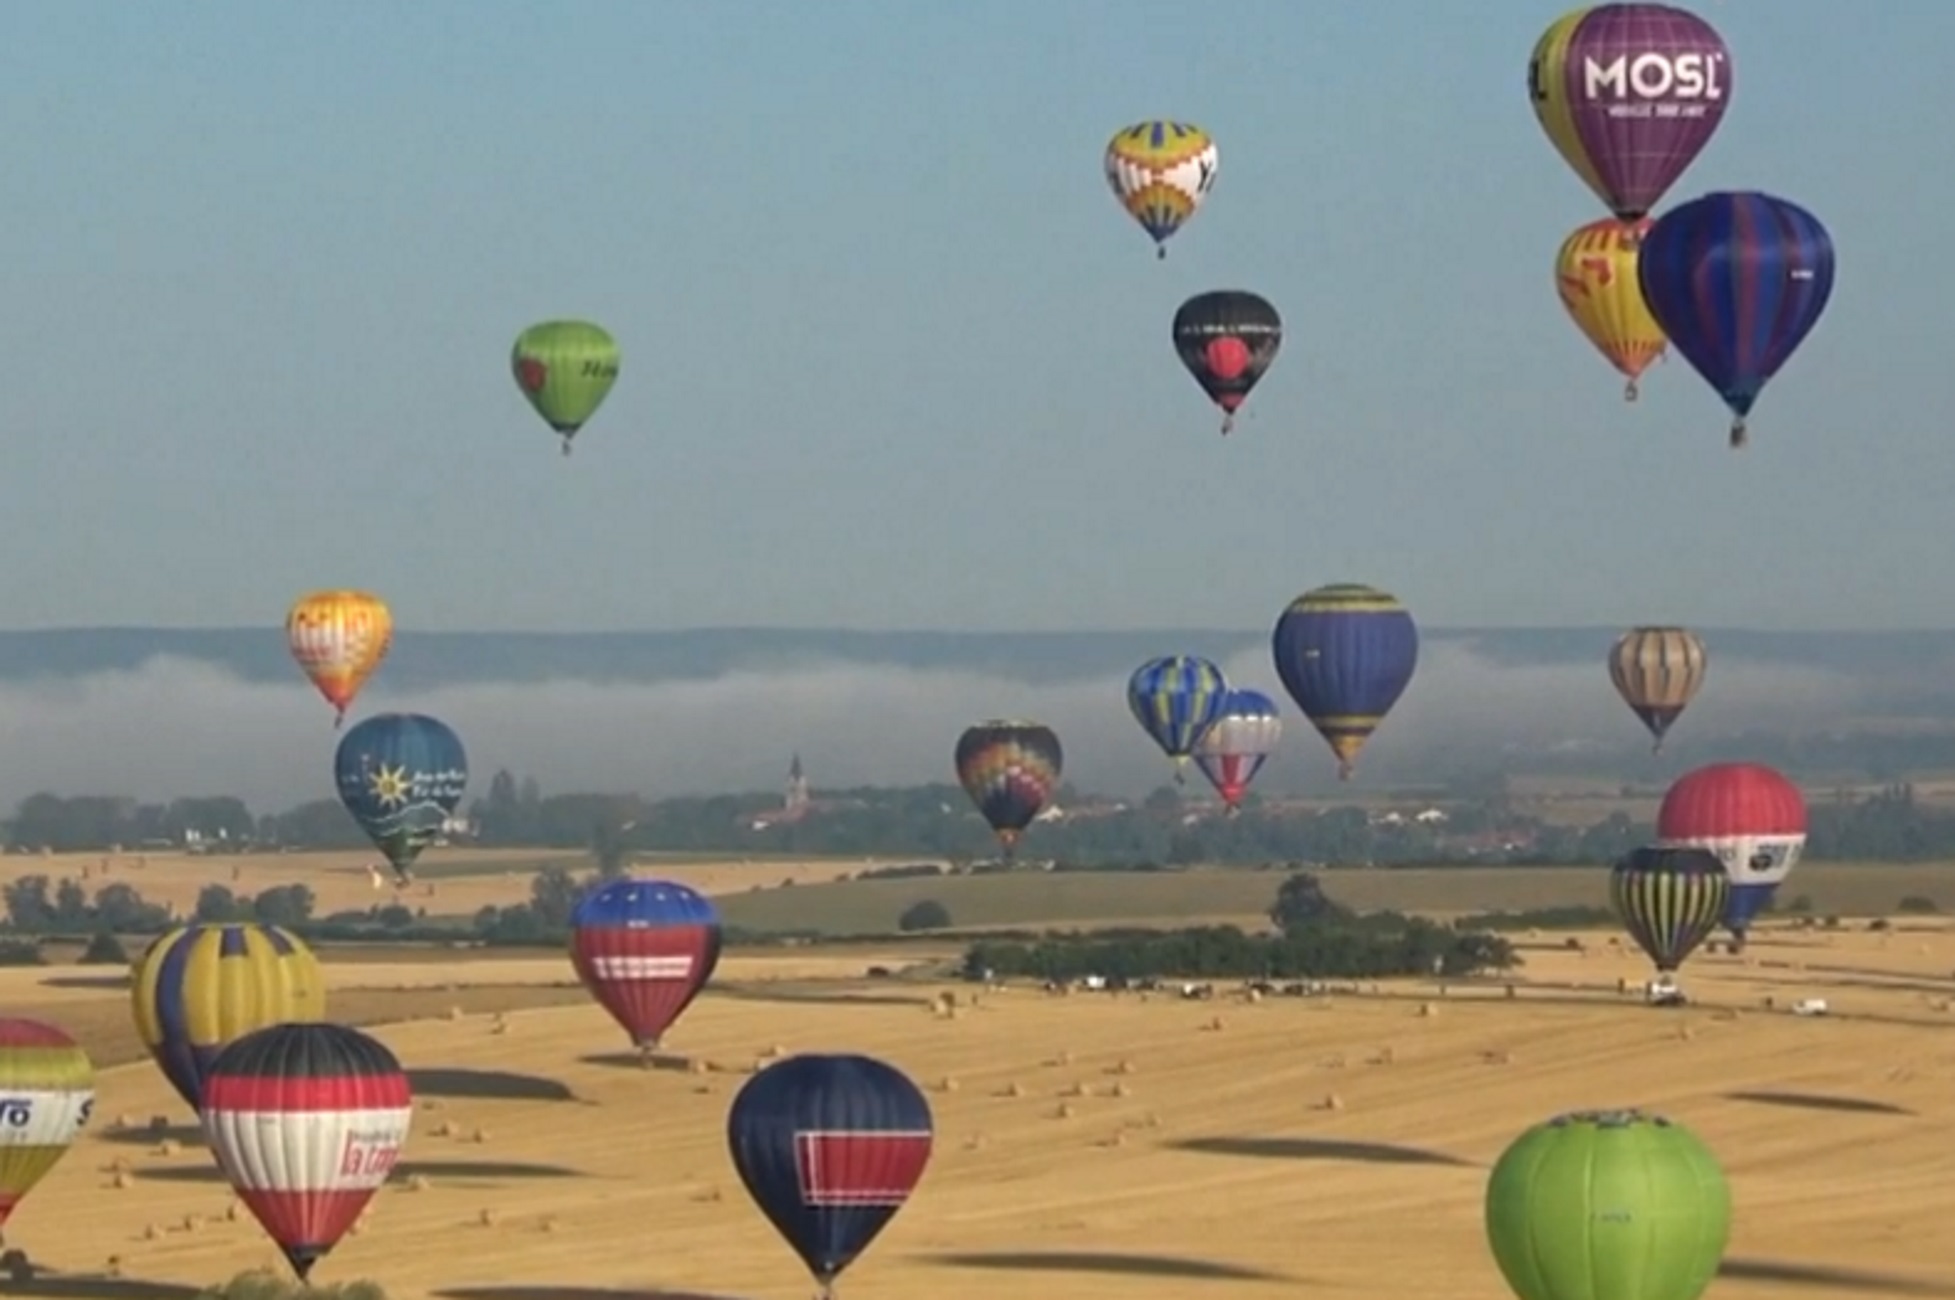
x: 1739, y: 435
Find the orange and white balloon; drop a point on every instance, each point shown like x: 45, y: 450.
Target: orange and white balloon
x: 338, y: 638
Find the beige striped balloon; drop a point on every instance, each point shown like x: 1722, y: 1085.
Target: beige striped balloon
x: 1657, y: 671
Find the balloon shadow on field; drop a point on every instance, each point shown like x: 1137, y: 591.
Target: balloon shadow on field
x: 81, y: 1286
x: 1818, y: 1101
x: 1280, y: 1148
x: 138, y: 1135
x: 486, y: 1085
x: 1111, y: 1263
x: 85, y: 982
x: 1786, y: 1273
x: 452, y: 1172
x: 569, y: 1293
x: 793, y: 996
x: 670, y: 1061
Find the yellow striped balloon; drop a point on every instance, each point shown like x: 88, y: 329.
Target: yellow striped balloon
x: 1658, y: 671
x: 1160, y: 171
x: 338, y: 639
x: 199, y: 987
x: 1669, y: 900
x: 47, y: 1088
x: 1596, y: 276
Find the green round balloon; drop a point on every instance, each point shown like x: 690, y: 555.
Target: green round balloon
x: 1608, y: 1205
x: 565, y: 368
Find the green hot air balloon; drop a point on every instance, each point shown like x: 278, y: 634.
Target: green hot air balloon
x: 1669, y: 900
x: 565, y: 368
x: 1611, y: 1205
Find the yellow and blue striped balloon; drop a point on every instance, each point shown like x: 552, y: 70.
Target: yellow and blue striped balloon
x: 1175, y: 699
x: 201, y: 986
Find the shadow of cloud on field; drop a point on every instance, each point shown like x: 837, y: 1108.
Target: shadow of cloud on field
x: 794, y: 996
x: 1109, y: 1263
x: 487, y: 1085
x: 1282, y: 1148
x: 85, y: 982
x: 82, y: 1286
x: 1782, y: 1272
x: 452, y: 1171
x: 539, y: 1292
x: 1818, y: 1101
x: 184, y: 1135
x: 633, y: 1061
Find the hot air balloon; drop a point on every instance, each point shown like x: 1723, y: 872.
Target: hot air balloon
x: 401, y: 775
x: 1345, y: 653
x: 1737, y: 281
x: 1227, y: 339
x: 1238, y: 743
x: 307, y: 1121
x: 1608, y: 1205
x: 1657, y: 671
x: 1161, y: 172
x: 201, y: 987
x: 1629, y: 95
x: 47, y: 1089
x: 1011, y: 771
x: 565, y: 368
x: 644, y: 949
x: 829, y: 1147
x: 1669, y: 900
x: 1751, y: 816
x: 1595, y: 274
x: 1174, y: 698
x: 338, y: 639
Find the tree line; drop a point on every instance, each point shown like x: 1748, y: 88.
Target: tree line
x: 936, y: 821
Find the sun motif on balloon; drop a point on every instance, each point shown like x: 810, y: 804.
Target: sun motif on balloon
x: 390, y: 786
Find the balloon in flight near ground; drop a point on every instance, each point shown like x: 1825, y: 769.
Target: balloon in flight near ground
x: 47, y: 1089
x: 1751, y: 816
x: 1629, y: 95
x: 1227, y: 339
x: 1174, y: 698
x: 338, y: 638
x: 1595, y: 274
x: 1238, y: 743
x: 644, y: 949
x: 1345, y: 653
x: 307, y: 1121
x: 401, y: 775
x: 1161, y: 171
x: 1011, y: 770
x: 1737, y: 281
x: 1658, y: 672
x: 829, y: 1147
x: 1669, y: 900
x: 1608, y: 1205
x: 199, y: 988
x: 566, y: 369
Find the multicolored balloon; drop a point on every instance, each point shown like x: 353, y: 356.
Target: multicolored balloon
x: 566, y: 369
x: 1174, y: 699
x: 1737, y: 281
x: 1669, y: 900
x: 1011, y: 771
x: 1227, y: 338
x: 307, y: 1121
x: 401, y: 775
x: 199, y: 988
x: 1238, y: 743
x: 339, y: 638
x: 1605, y: 1205
x: 829, y: 1147
x: 1161, y: 171
x: 1658, y: 672
x: 644, y: 949
x: 47, y: 1089
x: 1629, y: 95
x: 1345, y: 653
x: 1751, y: 816
x: 1595, y: 274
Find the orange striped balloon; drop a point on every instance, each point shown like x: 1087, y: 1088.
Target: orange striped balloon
x: 338, y: 639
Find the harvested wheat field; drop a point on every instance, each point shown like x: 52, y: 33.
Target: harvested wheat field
x: 1095, y: 1145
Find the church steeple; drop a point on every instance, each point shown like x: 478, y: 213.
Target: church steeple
x: 797, y: 787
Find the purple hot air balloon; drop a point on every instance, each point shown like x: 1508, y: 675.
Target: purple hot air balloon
x: 1629, y: 94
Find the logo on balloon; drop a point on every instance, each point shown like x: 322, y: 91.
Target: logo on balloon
x: 1635, y: 83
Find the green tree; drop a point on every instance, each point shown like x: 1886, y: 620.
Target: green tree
x: 284, y: 905
x: 924, y: 914
x: 1301, y: 901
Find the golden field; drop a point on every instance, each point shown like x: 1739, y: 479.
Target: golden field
x: 1090, y: 1146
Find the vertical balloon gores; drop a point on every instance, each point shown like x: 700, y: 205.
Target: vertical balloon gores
x: 1238, y: 743
x: 1227, y: 339
x: 1011, y: 770
x: 1175, y: 698
x: 1345, y: 653
x: 47, y: 1091
x: 401, y: 775
x: 1669, y: 900
x: 1160, y: 172
x: 1658, y: 672
x: 644, y: 949
x: 338, y: 638
x: 1596, y: 278
x: 565, y: 369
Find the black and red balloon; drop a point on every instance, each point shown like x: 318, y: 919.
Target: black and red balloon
x: 1227, y: 338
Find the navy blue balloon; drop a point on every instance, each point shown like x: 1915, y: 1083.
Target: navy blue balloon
x: 1737, y: 281
x: 401, y: 775
x: 830, y: 1147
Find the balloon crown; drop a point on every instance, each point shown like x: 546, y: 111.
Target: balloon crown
x: 1619, y: 1118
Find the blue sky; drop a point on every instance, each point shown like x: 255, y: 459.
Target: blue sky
x: 893, y: 357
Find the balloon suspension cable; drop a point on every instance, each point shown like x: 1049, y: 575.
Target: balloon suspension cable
x: 1629, y: 391
x: 1739, y: 435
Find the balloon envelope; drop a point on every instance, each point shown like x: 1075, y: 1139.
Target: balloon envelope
x: 338, y: 638
x: 829, y: 1147
x: 1669, y: 900
x: 1160, y: 171
x: 1345, y: 653
x: 1658, y: 672
x: 47, y: 1089
x: 1238, y: 743
x: 199, y: 988
x: 1751, y: 816
x: 1174, y: 699
x: 565, y: 369
x: 1595, y: 275
x: 1011, y: 771
x: 402, y: 776
x: 1227, y: 340
x: 644, y: 949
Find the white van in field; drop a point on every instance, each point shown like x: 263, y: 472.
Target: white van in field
x: 1809, y: 1007
x: 1664, y: 991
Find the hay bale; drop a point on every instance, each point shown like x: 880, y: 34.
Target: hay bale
x: 168, y: 1147
x: 479, y: 1136
x: 1124, y: 1066
x: 947, y: 1084
x: 695, y: 1065
x: 1014, y: 1089
x: 444, y: 1129
x: 159, y: 1123
x: 121, y: 1181
x: 123, y: 1123
x: 1063, y: 1111
x: 1120, y: 1090
x: 486, y: 1217
x: 773, y: 1052
x: 1150, y: 1120
x: 192, y: 1222
x: 418, y: 1183
x: 1214, y: 1025
x: 1118, y: 1139
x: 1333, y: 1102
x: 704, y: 1089
x: 151, y: 1232
x: 1063, y: 1058
x: 1499, y: 1056
x: 549, y: 1223
x: 453, y: 1013
x: 975, y: 1142
x: 709, y: 1195
x: 1383, y: 1056
x: 1427, y: 1010
x: 1077, y: 1090
x: 234, y: 1211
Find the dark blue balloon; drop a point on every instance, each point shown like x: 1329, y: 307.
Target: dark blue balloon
x: 829, y: 1147
x: 1737, y: 281
x: 1345, y: 653
x: 401, y: 775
